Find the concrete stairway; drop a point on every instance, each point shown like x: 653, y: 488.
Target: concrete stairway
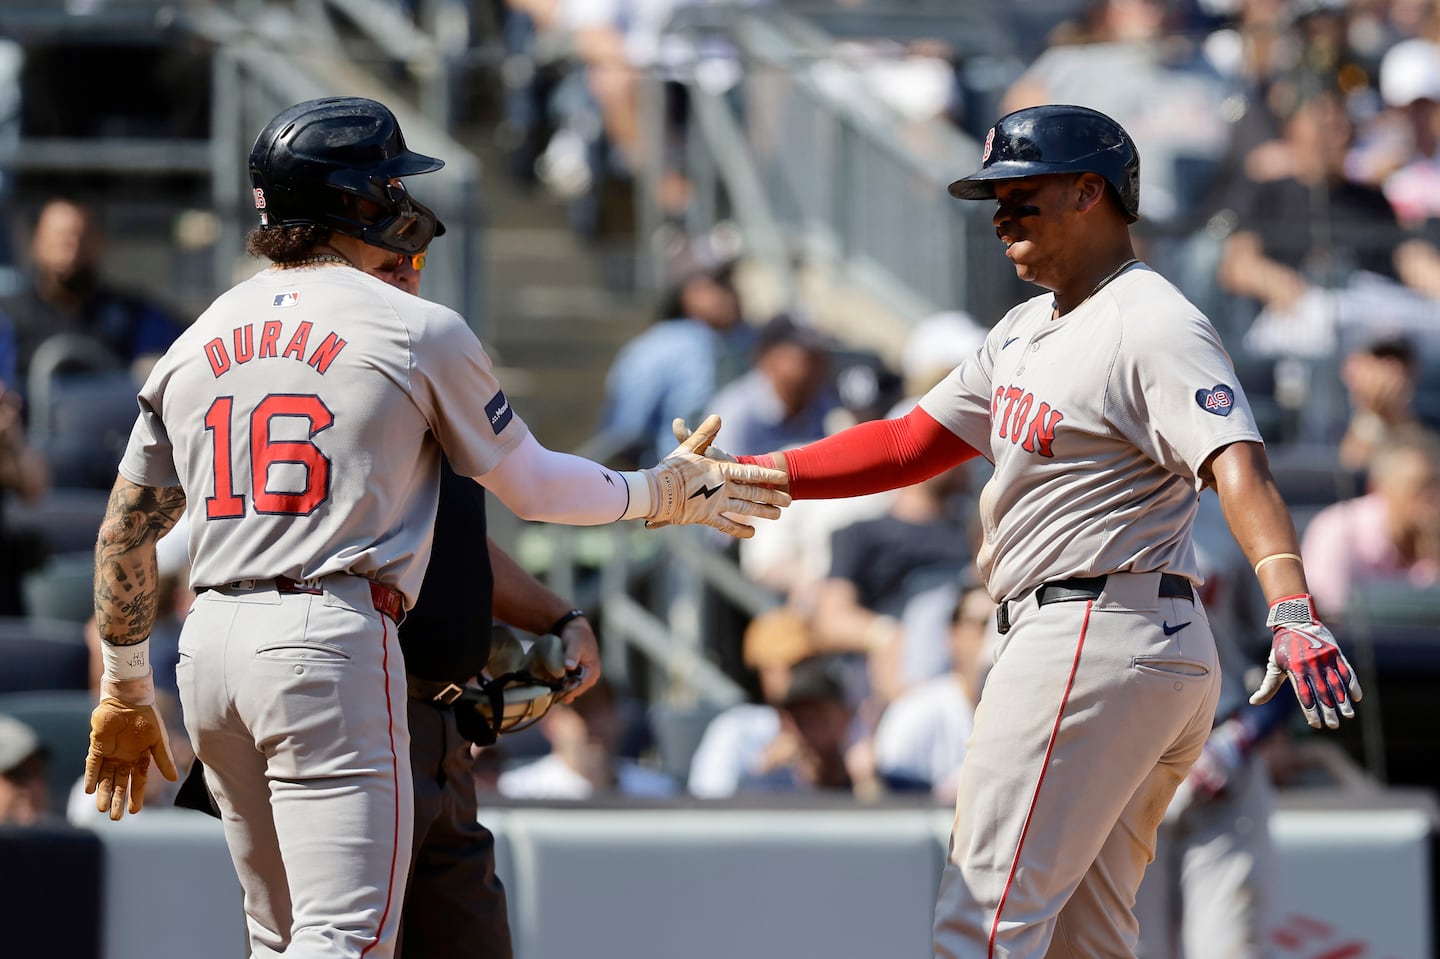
x: 558, y: 307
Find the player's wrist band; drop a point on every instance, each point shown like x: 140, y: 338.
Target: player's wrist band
x: 1299, y: 608
x: 1276, y: 556
x: 639, y: 499
x: 565, y: 620
x: 126, y: 662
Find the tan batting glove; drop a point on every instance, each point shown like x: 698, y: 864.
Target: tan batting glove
x: 125, y: 731
x: 689, y: 487
x: 683, y: 432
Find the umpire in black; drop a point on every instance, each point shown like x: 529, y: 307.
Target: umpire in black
x: 453, y: 896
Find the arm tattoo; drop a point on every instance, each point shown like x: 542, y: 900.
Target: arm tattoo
x: 125, y: 574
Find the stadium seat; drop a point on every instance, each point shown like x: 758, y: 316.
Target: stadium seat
x: 84, y: 426
x: 82, y: 405
x: 66, y: 520
x: 43, y: 654
x: 63, y: 588
x: 61, y: 718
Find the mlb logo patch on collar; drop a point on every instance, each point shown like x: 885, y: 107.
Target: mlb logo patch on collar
x: 1219, y: 399
x: 286, y: 299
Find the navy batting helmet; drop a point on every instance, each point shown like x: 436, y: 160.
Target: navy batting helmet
x: 1057, y: 138
x: 312, y: 156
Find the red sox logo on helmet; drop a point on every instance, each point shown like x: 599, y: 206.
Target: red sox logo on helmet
x: 259, y: 199
x: 989, y: 142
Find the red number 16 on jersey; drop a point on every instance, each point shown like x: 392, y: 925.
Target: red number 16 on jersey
x: 265, y: 453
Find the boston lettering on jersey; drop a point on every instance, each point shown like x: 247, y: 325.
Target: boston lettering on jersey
x: 1020, y: 419
x: 243, y: 347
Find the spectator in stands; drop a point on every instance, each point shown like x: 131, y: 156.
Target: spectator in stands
x: 1379, y: 379
x: 1119, y: 60
x: 793, y: 558
x: 935, y: 346
x: 816, y: 747
x: 674, y: 367
x: 1410, y: 86
x: 24, y: 472
x: 1256, y: 57
x: 735, y: 741
x: 920, y: 739
x: 1313, y: 227
x: 583, y: 760
x: 623, y: 44
x: 785, y: 399
x: 880, y: 566
x: 67, y: 294
x: 24, y: 774
x: 1391, y: 534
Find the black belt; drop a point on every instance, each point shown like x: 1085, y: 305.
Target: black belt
x: 433, y: 691
x: 386, y: 601
x: 1084, y: 588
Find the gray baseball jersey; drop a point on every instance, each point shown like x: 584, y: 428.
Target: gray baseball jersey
x: 303, y: 414
x: 1098, y: 423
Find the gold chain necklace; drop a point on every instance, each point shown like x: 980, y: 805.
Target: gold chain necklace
x: 1055, y: 307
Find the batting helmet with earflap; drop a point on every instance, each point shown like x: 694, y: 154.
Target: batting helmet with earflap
x: 313, y: 161
x: 1057, y: 138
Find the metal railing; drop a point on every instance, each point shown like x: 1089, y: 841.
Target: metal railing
x: 813, y: 166
x: 619, y: 565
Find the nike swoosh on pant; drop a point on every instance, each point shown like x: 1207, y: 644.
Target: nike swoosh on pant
x: 1172, y: 630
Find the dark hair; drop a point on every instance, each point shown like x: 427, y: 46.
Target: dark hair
x: 285, y: 245
x: 786, y: 327
x: 1399, y: 348
x: 816, y: 678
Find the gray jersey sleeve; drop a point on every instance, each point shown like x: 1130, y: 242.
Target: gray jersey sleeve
x: 149, y: 458
x: 452, y: 384
x: 1173, y: 391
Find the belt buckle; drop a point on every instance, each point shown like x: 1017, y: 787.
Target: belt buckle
x: 448, y: 695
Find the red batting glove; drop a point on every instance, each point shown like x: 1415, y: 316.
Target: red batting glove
x: 1306, y: 651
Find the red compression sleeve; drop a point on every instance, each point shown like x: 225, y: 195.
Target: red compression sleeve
x: 873, y: 456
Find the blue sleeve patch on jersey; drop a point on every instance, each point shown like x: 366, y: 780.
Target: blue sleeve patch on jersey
x: 1219, y: 399
x: 500, y: 412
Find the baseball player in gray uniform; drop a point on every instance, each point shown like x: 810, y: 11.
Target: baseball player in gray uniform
x: 301, y: 419
x: 1105, y: 404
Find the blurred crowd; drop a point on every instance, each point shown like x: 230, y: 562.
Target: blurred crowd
x: 1291, y: 188
x: 1291, y: 183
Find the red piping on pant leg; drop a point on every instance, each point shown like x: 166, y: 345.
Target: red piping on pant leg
x: 395, y: 777
x: 1035, y: 796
